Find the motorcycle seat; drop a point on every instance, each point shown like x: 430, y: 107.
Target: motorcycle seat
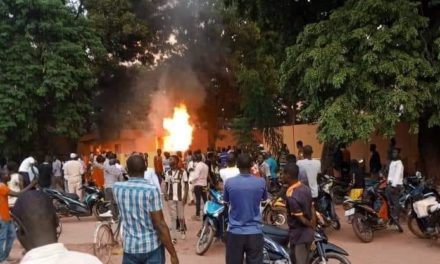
x: 277, y: 234
x: 73, y: 196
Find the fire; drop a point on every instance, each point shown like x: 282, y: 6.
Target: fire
x: 178, y: 130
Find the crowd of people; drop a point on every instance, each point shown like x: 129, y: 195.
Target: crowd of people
x: 136, y: 194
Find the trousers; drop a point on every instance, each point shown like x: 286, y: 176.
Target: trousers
x: 7, y: 236
x: 300, y: 253
x: 200, y: 193
x: 239, y: 245
x: 156, y: 256
x: 108, y: 193
x: 74, y: 186
x: 177, y: 213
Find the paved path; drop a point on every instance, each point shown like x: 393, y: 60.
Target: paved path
x: 388, y: 247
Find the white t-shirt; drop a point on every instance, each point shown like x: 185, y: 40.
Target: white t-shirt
x: 26, y: 164
x: 73, y: 170
x: 395, y: 173
x: 228, y: 173
x: 311, y: 168
x: 14, y: 185
x: 55, y: 254
x: 151, y: 178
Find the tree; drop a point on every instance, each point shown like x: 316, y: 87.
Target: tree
x: 363, y: 70
x: 48, y: 58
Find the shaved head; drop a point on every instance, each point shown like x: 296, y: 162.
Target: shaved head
x: 37, y: 219
x: 136, y: 166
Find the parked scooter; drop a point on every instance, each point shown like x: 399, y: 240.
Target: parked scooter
x: 274, y: 212
x: 371, y: 213
x: 325, y: 205
x: 276, y: 241
x: 68, y: 204
x: 423, y: 219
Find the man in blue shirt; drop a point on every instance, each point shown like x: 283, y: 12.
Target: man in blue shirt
x: 145, y: 233
x: 244, y: 194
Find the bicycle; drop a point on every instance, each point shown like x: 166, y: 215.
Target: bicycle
x: 106, y: 239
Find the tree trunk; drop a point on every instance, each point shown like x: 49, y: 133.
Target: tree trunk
x: 429, y: 149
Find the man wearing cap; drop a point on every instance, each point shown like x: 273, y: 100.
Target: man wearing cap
x: 73, y: 171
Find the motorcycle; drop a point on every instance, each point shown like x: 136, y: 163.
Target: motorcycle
x: 276, y: 241
x: 215, y: 222
x: 371, y: 213
x: 325, y: 205
x: 411, y: 184
x: 274, y: 212
x: 68, y: 204
x: 423, y: 219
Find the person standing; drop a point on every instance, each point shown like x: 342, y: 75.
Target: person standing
x: 300, y: 147
x: 166, y: 161
x: 73, y: 171
x: 301, y: 216
x: 45, y: 172
x: 191, y: 164
x: 244, y: 194
x: 282, y: 155
x: 111, y: 175
x: 311, y: 168
x: 158, y: 165
x: 263, y: 167
x: 223, y: 158
x: 15, y: 183
x: 58, y: 181
x: 375, y: 164
x: 7, y: 227
x: 151, y: 177
x: 176, y: 181
x: 144, y: 241
x: 395, y: 182
x: 200, y: 182
x: 98, y: 171
x: 273, y: 167
x: 25, y: 170
x: 231, y: 170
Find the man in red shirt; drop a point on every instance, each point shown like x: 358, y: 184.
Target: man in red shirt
x: 7, y: 228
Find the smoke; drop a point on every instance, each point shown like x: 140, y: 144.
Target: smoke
x: 177, y: 84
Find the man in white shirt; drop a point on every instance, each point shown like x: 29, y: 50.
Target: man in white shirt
x: 57, y: 174
x: 73, y: 171
x: 395, y: 182
x: 231, y: 170
x: 200, y: 182
x: 312, y: 168
x: 25, y: 170
x: 37, y: 222
x: 151, y: 176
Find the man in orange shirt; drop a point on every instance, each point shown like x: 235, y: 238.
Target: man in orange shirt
x: 7, y: 228
x: 158, y: 165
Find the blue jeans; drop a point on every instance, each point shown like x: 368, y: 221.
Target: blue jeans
x: 7, y: 236
x: 156, y: 256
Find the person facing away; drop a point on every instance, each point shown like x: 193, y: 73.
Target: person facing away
x: 45, y: 172
x: 244, y: 193
x: 25, y: 169
x: 158, y: 165
x: 200, y: 182
x: 231, y: 170
x: 301, y: 216
x: 311, y: 168
x: 223, y: 158
x: 300, y: 147
x: 166, y: 161
x: 151, y: 177
x: 111, y: 175
x: 73, y: 171
x: 283, y: 154
x: 273, y: 167
x: 98, y: 171
x: 57, y: 173
x: 395, y: 182
x: 176, y: 194
x: 145, y: 233
x: 375, y: 164
x: 357, y: 180
x: 37, y: 223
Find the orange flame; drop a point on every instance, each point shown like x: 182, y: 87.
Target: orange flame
x: 178, y: 130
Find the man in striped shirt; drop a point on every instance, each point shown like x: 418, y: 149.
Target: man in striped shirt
x: 145, y: 233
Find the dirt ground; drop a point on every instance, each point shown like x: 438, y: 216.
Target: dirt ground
x: 387, y: 247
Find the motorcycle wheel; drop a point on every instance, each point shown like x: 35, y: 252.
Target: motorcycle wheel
x: 362, y: 231
x: 205, y: 239
x: 413, y: 226
x: 277, y: 216
x: 338, y: 194
x: 99, y: 208
x: 332, y: 258
x: 335, y: 224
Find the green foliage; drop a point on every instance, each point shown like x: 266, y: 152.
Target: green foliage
x: 47, y: 72
x: 362, y: 69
